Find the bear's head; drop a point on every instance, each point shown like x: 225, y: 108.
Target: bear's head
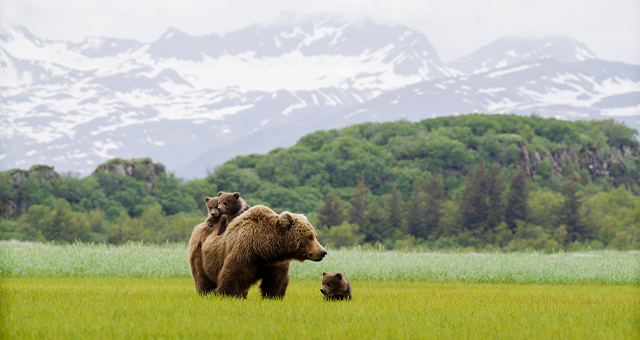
x: 212, y: 206
x: 229, y: 203
x: 332, y: 284
x: 304, y: 237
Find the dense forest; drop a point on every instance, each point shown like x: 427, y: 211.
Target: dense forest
x: 473, y: 182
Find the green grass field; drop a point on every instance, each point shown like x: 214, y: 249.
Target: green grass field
x: 96, y: 308
x: 145, y: 291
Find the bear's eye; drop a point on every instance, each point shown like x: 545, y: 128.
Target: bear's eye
x: 311, y: 238
x: 225, y: 203
x: 328, y: 285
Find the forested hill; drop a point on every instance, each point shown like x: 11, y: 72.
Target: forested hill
x: 477, y: 181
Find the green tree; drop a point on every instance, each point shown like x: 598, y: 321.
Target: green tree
x: 30, y: 224
x: 154, y: 223
x: 343, y: 235
x: 495, y: 189
x: 358, y: 203
x: 35, y: 189
x: 528, y: 132
x: 434, y: 194
x: 168, y: 193
x: 417, y: 211
x: 62, y: 224
x: 375, y: 225
x: 517, y: 197
x: 395, y: 207
x: 331, y: 213
x: 570, y: 213
x: 473, y: 205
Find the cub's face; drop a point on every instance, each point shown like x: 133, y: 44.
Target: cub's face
x: 332, y: 284
x: 229, y: 203
x: 212, y: 206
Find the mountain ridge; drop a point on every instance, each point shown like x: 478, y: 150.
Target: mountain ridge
x: 73, y: 105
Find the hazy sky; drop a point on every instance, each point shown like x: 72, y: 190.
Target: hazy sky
x: 611, y: 28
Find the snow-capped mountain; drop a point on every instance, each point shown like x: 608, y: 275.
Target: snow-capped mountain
x: 74, y: 105
x: 193, y: 103
x: 509, y: 51
x: 592, y: 89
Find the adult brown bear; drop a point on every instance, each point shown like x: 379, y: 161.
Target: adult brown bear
x: 258, y: 245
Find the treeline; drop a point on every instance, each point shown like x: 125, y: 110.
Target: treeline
x: 480, y: 182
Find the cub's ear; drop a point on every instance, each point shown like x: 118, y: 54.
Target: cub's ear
x: 207, y: 199
x: 236, y: 194
x: 324, y: 274
x: 339, y: 276
x: 285, y: 220
x: 220, y: 193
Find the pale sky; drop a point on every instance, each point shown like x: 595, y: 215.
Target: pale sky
x: 610, y: 28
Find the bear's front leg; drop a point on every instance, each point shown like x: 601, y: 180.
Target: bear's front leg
x: 235, y: 278
x: 275, y: 280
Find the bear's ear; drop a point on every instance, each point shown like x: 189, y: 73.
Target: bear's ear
x: 220, y: 193
x: 236, y: 194
x: 324, y: 274
x: 207, y: 199
x: 285, y: 220
x: 339, y: 276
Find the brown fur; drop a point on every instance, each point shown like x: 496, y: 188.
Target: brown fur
x: 230, y: 205
x: 198, y: 236
x: 335, y: 286
x: 259, y: 245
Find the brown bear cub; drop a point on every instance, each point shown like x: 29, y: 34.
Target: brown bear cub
x: 213, y: 216
x: 230, y: 206
x: 335, y: 286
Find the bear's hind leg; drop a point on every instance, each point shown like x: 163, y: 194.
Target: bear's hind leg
x: 202, y: 282
x: 203, y: 285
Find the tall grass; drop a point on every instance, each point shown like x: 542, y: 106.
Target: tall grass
x: 20, y: 259
x: 169, y: 308
x: 607, y: 267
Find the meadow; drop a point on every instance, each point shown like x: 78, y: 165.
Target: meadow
x: 145, y: 291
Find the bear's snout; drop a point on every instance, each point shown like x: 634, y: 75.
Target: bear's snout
x: 317, y: 256
x: 322, y: 291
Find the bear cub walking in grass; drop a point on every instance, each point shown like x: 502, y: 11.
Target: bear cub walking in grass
x: 230, y: 206
x: 335, y: 286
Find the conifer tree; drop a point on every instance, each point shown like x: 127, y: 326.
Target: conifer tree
x: 570, y: 214
x: 358, y: 202
x: 417, y: 208
x: 473, y: 203
x: 395, y: 206
x: 52, y: 225
x: 495, y: 189
x: 517, y: 196
x: 331, y: 213
x: 375, y: 226
x: 434, y: 194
